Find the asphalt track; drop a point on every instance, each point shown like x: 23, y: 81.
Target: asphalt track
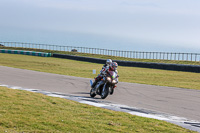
x: 176, y: 101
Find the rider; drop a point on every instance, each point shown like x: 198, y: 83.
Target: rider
x: 112, y: 67
x: 105, y: 66
x: 108, y: 62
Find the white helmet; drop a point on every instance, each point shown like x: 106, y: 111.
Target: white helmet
x: 108, y: 61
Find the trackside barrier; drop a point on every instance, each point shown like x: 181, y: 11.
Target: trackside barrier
x: 119, y: 53
x: 175, y: 67
x: 42, y: 54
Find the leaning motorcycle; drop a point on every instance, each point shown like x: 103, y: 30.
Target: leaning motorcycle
x: 105, y: 86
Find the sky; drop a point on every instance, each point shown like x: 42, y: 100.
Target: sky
x: 160, y: 23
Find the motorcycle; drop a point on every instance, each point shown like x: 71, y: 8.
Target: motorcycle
x: 105, y: 86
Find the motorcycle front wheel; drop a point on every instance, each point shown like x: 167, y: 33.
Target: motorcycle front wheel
x: 105, y: 93
x: 92, y: 94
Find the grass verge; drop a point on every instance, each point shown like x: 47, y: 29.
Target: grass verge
x: 84, y: 69
x: 23, y: 111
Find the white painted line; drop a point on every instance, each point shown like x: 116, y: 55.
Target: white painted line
x: 15, y: 87
x: 4, y: 85
x: 93, y: 103
x: 54, y: 95
x: 149, y: 116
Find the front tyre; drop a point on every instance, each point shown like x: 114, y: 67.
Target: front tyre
x: 105, y: 93
x: 92, y: 93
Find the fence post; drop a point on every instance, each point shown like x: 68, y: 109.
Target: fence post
x: 199, y: 57
x: 195, y: 57
x: 149, y: 55
x: 163, y: 55
x: 175, y: 56
x: 160, y: 55
x: 118, y: 53
x: 183, y: 56
x: 146, y: 55
x: 178, y: 56
x: 136, y: 54
x: 191, y: 56
x: 153, y: 55
x: 139, y: 55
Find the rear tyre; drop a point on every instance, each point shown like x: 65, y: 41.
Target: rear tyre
x: 92, y: 94
x: 111, y: 91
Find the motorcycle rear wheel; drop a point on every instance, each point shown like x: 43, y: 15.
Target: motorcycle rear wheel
x: 111, y: 91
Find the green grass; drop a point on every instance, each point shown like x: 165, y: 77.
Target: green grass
x: 23, y: 111
x: 84, y: 69
x: 108, y: 57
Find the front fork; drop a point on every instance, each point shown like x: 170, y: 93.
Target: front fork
x: 104, y: 87
x: 95, y: 89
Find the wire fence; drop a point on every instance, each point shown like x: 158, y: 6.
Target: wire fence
x: 118, y: 53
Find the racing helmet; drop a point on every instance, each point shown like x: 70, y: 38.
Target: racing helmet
x: 113, y: 66
x: 108, y: 61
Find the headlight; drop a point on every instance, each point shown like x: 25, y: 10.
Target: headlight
x: 109, y: 79
x: 114, y: 81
